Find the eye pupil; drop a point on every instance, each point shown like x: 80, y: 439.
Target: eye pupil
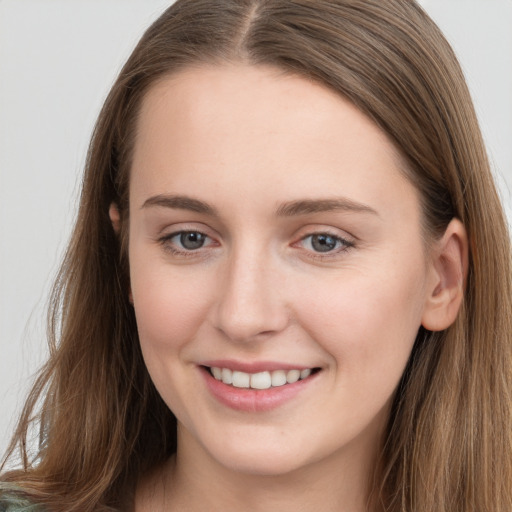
x: 192, y: 240
x: 323, y: 243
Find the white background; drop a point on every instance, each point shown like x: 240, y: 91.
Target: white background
x: 58, y: 59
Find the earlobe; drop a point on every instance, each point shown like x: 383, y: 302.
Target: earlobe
x: 449, y: 270
x: 115, y: 218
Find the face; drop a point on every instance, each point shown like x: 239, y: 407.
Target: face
x: 277, y: 267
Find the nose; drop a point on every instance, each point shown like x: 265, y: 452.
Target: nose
x: 250, y: 303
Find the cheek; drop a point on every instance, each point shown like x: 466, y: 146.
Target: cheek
x: 366, y: 322
x: 169, y: 310
x: 169, y: 306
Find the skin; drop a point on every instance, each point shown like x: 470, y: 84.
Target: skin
x: 249, y: 141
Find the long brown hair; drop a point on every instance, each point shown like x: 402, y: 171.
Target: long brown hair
x: 449, y: 439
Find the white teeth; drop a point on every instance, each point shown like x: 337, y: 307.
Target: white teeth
x: 278, y: 378
x: 227, y: 376
x: 241, y: 380
x: 292, y: 376
x: 260, y: 380
x: 305, y: 373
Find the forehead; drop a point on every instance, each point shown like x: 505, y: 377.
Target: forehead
x: 254, y: 128
x: 251, y: 98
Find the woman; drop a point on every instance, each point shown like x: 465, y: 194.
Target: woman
x: 289, y: 280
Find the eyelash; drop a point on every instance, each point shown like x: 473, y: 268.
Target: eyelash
x: 166, y: 242
x: 342, y: 244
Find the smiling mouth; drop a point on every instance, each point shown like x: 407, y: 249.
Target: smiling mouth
x: 259, y: 380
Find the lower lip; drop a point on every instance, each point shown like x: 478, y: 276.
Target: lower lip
x: 254, y: 400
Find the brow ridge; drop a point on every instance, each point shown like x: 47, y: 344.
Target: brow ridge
x: 180, y: 202
x: 288, y: 209
x: 308, y: 206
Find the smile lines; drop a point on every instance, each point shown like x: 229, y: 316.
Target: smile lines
x: 260, y: 380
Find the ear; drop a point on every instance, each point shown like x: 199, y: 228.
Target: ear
x: 449, y: 271
x: 115, y: 218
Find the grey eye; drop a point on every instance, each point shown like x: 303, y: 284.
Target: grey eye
x: 192, y: 240
x: 324, y: 242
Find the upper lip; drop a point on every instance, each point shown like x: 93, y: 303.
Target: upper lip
x: 254, y: 366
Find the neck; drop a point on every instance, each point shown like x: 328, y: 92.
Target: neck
x: 193, y: 481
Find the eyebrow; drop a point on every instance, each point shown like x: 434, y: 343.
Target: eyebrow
x: 288, y: 209
x: 180, y: 203
x: 307, y: 206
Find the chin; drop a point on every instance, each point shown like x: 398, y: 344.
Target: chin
x: 260, y: 458
x: 262, y: 464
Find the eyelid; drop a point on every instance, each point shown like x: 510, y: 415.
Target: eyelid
x: 170, y: 236
x: 179, y: 227
x: 347, y: 242
x: 165, y: 240
x: 325, y: 229
x: 339, y: 238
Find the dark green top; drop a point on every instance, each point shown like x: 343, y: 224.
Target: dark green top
x: 11, y: 503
